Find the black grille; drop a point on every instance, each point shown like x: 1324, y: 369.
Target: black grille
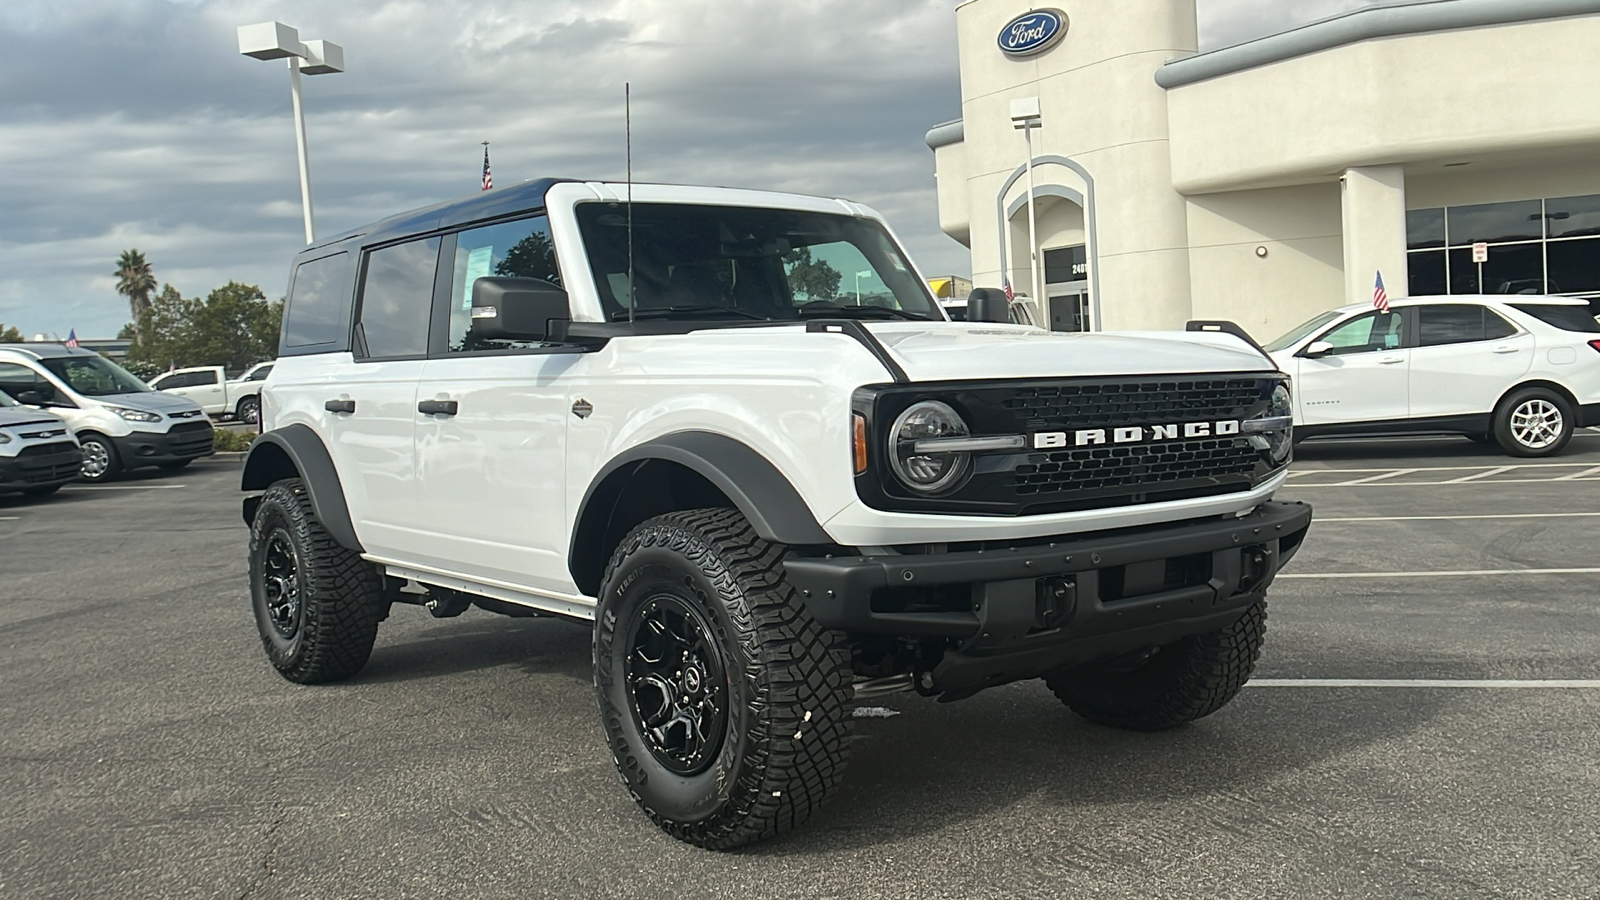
x: 190, y: 438
x: 48, y: 463
x: 1063, y: 407
x: 1143, y: 468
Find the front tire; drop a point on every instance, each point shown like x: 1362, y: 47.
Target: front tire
x: 725, y: 704
x: 1181, y: 682
x: 249, y: 410
x: 1533, y: 422
x: 317, y: 604
x: 100, y: 460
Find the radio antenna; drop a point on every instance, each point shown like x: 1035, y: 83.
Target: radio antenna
x: 627, y: 116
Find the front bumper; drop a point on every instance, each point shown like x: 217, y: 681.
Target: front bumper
x: 184, y: 441
x: 1020, y: 611
x: 40, y: 466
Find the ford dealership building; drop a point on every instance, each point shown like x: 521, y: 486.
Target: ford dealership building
x: 1452, y: 145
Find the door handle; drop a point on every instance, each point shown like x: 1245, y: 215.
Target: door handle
x: 438, y: 407
x: 340, y: 406
x: 1391, y: 360
x: 1505, y: 349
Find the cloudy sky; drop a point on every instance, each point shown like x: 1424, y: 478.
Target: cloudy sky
x: 136, y: 124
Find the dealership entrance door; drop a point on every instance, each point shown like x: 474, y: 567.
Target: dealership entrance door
x: 1066, y: 277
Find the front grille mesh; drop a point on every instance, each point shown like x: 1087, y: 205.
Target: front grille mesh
x: 1143, y: 468
x: 1107, y: 405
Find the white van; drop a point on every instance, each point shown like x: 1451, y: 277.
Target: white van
x: 120, y: 422
x: 37, y: 451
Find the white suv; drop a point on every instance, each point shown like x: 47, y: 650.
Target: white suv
x: 772, y: 491
x: 38, y: 453
x: 1523, y: 371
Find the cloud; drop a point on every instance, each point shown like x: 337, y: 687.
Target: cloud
x: 136, y: 124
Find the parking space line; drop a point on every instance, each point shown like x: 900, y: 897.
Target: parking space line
x: 1584, y: 474
x: 1322, y: 521
x: 1579, y: 465
x: 1484, y: 474
x: 1363, y: 482
x: 1479, y: 683
x: 1369, y: 480
x: 1456, y: 574
x: 126, y: 487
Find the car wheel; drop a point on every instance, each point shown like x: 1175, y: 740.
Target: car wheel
x: 100, y: 461
x: 1533, y: 422
x: 725, y: 704
x: 1178, y: 683
x: 249, y: 411
x: 317, y: 604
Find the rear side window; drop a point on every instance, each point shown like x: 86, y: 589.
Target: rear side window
x: 397, y: 300
x: 1566, y: 318
x: 318, y: 316
x: 1460, y: 324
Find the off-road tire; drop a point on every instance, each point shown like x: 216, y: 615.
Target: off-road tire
x: 249, y: 410
x: 1188, y: 680
x: 340, y: 600
x: 1508, y: 433
x: 105, y: 467
x: 786, y: 680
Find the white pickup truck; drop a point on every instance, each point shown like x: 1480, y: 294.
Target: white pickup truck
x: 210, y: 387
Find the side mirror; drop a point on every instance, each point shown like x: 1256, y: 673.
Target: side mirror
x: 1317, y: 349
x: 31, y: 398
x: 988, y: 305
x: 517, y: 309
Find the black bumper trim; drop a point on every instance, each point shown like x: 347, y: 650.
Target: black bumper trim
x: 1589, y: 415
x: 838, y: 591
x: 25, y: 472
x: 145, y: 448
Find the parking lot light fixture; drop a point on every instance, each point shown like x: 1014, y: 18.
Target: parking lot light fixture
x: 275, y: 40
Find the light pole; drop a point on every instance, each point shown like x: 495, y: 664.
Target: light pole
x: 1025, y: 118
x: 275, y: 40
x: 866, y: 273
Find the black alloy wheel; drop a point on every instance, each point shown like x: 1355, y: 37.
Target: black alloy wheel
x: 678, y: 684
x: 280, y: 583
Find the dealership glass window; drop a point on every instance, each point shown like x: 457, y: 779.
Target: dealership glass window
x: 1463, y: 272
x: 1424, y: 228
x: 1514, y: 269
x: 1427, y: 273
x: 1574, y: 265
x: 396, y: 297
x: 520, y: 249
x: 1573, y: 216
x: 1066, y: 264
x: 1493, y: 223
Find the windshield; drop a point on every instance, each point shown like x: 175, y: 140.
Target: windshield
x: 692, y: 261
x: 1295, y: 334
x: 5, y: 400
x: 94, y: 376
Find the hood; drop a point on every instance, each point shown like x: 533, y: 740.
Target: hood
x: 152, y: 401
x: 20, y: 416
x: 958, y: 351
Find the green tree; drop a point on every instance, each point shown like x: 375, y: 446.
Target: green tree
x: 135, y: 281
x: 235, y: 326
x: 817, y: 281
x: 9, y: 334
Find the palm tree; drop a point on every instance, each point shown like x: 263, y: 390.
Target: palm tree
x: 135, y: 281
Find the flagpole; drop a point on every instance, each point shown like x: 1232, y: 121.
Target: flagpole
x: 1033, y: 228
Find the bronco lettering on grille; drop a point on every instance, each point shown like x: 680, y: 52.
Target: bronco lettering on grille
x: 1137, y: 434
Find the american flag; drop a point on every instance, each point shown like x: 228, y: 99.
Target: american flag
x: 1005, y: 285
x: 72, y: 337
x: 1380, y: 297
x: 488, y: 180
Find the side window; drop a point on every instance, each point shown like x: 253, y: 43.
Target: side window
x: 318, y: 316
x: 16, y: 379
x: 199, y: 378
x: 177, y: 380
x: 261, y: 373
x: 521, y: 249
x: 1365, y: 334
x: 1459, y: 323
x: 396, y: 297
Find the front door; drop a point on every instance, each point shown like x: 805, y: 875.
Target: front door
x: 1364, y: 378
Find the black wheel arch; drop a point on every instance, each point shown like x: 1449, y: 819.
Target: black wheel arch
x: 295, y: 451
x: 686, y: 470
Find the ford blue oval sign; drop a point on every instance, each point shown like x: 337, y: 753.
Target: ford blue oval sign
x: 1034, y: 32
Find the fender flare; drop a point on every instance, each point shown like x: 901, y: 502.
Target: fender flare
x: 300, y: 447
x: 749, y: 480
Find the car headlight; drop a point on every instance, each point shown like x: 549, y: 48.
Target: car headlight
x: 1272, y: 430
x: 134, y: 415
x: 925, y: 447
x: 4, y: 438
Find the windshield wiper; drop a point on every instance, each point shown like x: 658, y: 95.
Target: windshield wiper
x: 667, y: 312
x: 863, y: 312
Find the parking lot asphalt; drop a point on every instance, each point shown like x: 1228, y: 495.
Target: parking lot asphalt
x: 1410, y: 733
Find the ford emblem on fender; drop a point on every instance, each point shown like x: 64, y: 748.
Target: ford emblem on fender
x: 1033, y: 32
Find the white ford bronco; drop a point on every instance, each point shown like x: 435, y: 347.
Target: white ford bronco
x: 734, y: 431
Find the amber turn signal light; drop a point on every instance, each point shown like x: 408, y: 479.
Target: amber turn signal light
x: 859, y: 442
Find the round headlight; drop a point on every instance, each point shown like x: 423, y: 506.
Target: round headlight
x: 1278, y: 441
x: 913, y: 447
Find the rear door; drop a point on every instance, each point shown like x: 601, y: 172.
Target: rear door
x: 1364, y: 378
x: 205, y: 388
x: 1467, y: 357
